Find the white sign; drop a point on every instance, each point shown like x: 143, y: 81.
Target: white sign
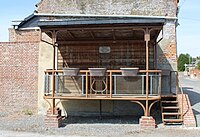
x: 104, y: 49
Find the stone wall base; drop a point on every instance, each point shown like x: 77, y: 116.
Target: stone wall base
x: 147, y: 122
x: 53, y: 121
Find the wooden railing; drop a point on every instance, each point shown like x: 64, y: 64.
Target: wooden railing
x: 110, y: 75
x: 182, y: 95
x: 179, y: 90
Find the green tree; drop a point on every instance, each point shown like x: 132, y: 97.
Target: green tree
x: 182, y: 60
x: 198, y: 65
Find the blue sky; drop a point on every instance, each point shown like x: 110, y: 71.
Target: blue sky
x: 188, y: 32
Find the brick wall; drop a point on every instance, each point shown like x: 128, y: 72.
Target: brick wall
x: 18, y: 76
x: 188, y: 116
x: 195, y: 73
x: 24, y: 35
x: 109, y: 7
x: 166, y: 49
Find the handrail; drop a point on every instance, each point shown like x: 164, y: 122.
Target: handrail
x: 108, y: 71
x: 181, y: 90
x: 109, y: 74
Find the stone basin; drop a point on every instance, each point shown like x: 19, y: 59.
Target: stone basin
x: 129, y: 71
x: 97, y: 71
x: 71, y: 71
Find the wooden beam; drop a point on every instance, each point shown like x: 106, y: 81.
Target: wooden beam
x: 97, y: 41
x: 70, y: 34
x: 61, y: 35
x: 91, y: 33
x: 142, y: 28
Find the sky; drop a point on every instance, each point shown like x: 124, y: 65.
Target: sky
x: 188, y: 32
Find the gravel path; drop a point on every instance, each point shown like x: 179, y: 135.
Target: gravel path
x: 24, y: 126
x: 191, y: 86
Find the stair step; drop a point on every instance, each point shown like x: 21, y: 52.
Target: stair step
x: 172, y: 107
x: 169, y: 101
x: 173, y: 120
x: 171, y: 114
x: 168, y: 96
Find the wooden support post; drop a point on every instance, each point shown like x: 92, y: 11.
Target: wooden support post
x: 110, y: 84
x: 53, y: 74
x: 86, y: 85
x: 90, y: 86
x: 106, y: 85
x: 147, y: 39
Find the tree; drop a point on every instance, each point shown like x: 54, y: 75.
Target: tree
x: 182, y: 60
x: 198, y: 65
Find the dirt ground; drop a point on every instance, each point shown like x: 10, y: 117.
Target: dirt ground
x: 33, y: 126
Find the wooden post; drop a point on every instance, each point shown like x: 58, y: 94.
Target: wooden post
x: 53, y: 73
x: 110, y: 84
x: 147, y: 39
x: 90, y: 86
x: 106, y: 84
x: 86, y: 85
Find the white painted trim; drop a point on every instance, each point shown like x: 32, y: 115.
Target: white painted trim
x: 30, y: 28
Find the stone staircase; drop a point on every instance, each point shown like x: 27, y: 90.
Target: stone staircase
x: 171, y: 111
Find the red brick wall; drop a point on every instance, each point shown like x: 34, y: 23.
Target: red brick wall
x: 18, y: 76
x: 24, y: 35
x: 188, y: 116
x: 195, y: 73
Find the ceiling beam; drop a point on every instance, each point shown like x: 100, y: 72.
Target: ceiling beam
x: 98, y: 41
x: 142, y: 28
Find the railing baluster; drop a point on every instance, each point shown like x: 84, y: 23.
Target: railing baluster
x: 151, y: 85
x: 115, y: 84
x: 142, y: 84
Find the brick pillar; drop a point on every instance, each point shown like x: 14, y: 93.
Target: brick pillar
x: 188, y: 116
x: 54, y: 121
x: 147, y: 122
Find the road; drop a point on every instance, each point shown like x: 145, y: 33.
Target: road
x: 191, y: 86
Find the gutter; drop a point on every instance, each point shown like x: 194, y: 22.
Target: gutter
x: 116, y: 16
